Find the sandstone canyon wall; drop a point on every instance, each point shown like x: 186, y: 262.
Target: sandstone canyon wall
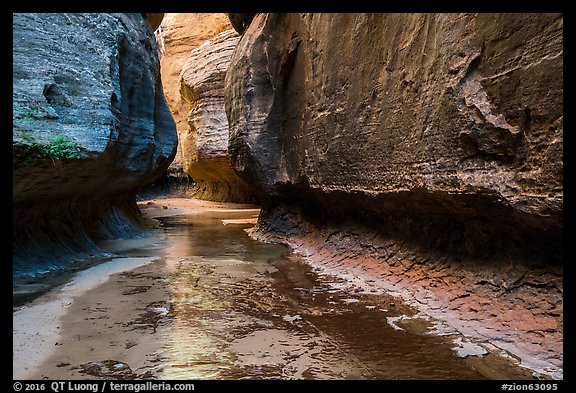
x: 90, y: 127
x: 205, y: 144
x: 196, y: 52
x: 424, y: 150
x: 178, y: 34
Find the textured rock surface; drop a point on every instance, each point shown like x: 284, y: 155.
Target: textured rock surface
x: 204, y: 145
x: 241, y: 21
x: 194, y: 90
x: 179, y: 33
x: 90, y: 127
x: 432, y: 139
x: 154, y: 19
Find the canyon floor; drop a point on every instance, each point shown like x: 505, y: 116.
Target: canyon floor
x: 197, y: 298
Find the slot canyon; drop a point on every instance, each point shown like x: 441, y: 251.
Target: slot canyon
x: 287, y: 196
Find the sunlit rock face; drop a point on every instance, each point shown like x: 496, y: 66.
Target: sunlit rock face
x: 178, y: 34
x: 204, y: 145
x: 427, y: 138
x: 196, y: 50
x: 90, y: 127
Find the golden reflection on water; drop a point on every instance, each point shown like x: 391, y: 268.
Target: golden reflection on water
x: 204, y: 282
x: 244, y: 309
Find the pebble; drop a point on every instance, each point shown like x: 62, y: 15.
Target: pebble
x: 289, y: 318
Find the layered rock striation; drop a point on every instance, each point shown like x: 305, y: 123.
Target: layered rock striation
x: 421, y: 150
x: 194, y: 88
x: 204, y: 145
x: 178, y: 34
x: 90, y: 127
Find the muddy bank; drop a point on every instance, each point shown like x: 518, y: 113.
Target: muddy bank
x: 212, y: 303
x: 513, y: 306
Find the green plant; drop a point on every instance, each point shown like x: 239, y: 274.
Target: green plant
x: 27, y: 114
x: 58, y: 147
x: 61, y: 147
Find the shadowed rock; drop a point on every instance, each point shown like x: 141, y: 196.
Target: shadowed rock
x: 427, y: 140
x: 91, y: 126
x: 423, y: 118
x: 241, y: 21
x: 153, y: 19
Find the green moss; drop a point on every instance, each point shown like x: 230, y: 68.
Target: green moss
x: 25, y: 128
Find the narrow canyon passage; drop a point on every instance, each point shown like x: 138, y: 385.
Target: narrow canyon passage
x: 288, y: 196
x: 215, y: 304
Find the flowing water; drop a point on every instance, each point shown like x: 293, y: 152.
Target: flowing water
x: 220, y: 305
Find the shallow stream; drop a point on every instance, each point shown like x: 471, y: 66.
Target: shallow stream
x: 217, y: 304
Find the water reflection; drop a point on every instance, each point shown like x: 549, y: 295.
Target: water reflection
x: 244, y: 309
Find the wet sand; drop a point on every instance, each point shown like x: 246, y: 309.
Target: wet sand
x: 37, y: 326
x: 200, y: 299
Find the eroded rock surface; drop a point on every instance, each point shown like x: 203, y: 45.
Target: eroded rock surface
x: 90, y: 127
x: 204, y: 145
x: 416, y: 147
x: 194, y: 88
x: 178, y: 34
